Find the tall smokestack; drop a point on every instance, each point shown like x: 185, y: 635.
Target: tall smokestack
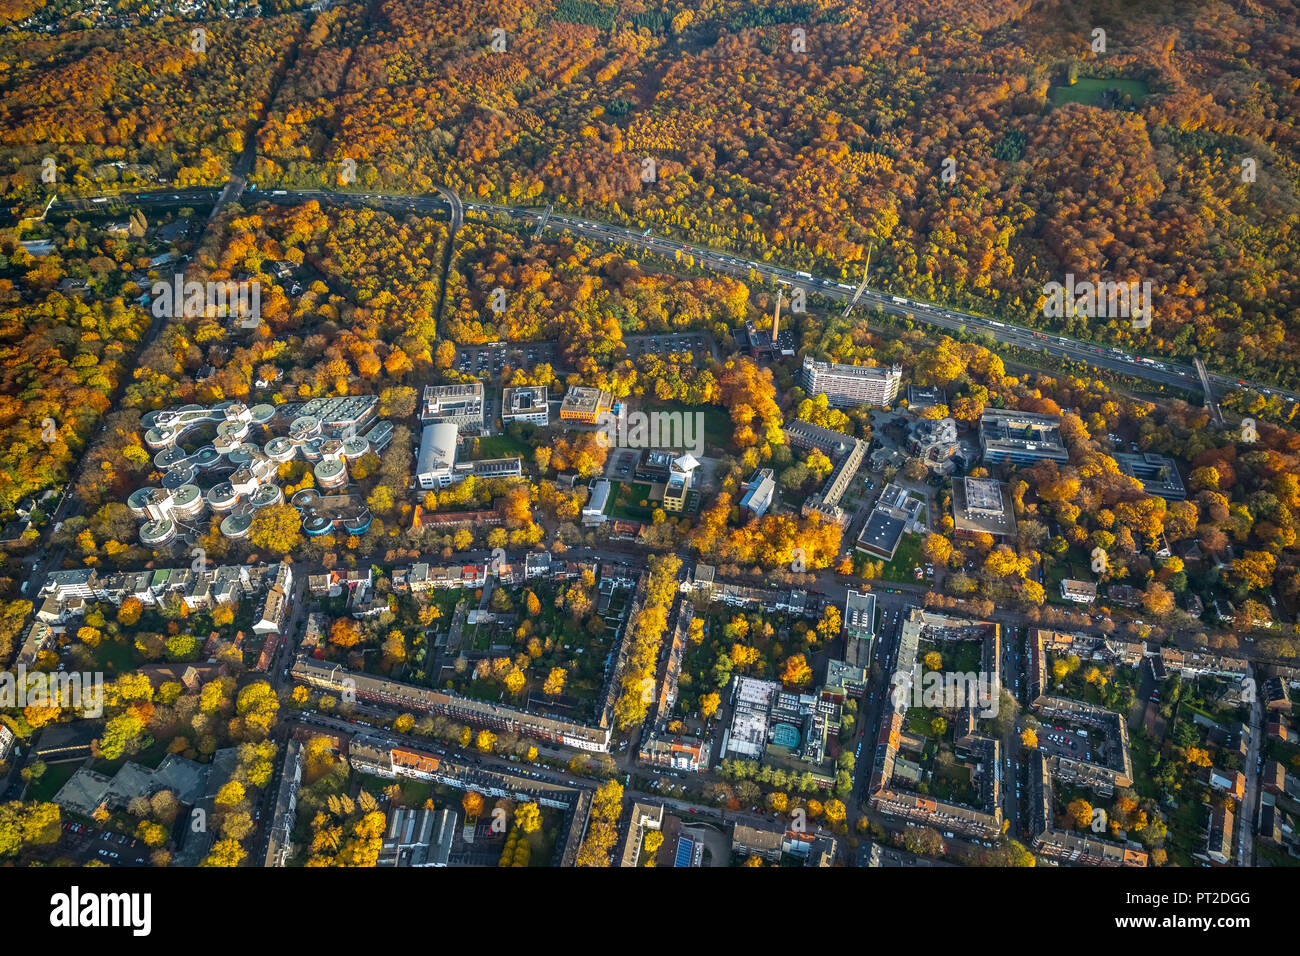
x: 776, y: 320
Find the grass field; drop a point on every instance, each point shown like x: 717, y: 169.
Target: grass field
x: 627, y: 502
x: 1060, y: 569
x: 1089, y: 91
x: 910, y: 553
x: 717, y: 422
x: 55, y: 776
x: 503, y: 446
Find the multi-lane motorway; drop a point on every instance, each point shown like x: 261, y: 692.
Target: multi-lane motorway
x: 1166, y: 374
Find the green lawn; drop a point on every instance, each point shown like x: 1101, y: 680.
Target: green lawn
x: 1088, y: 91
x: 115, y: 658
x: 910, y: 553
x: 503, y: 446
x: 1054, y: 571
x: 55, y: 776
x: 627, y: 502
x: 717, y: 421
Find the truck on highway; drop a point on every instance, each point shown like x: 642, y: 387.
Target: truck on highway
x: 998, y: 324
x: 804, y: 275
x: 899, y: 299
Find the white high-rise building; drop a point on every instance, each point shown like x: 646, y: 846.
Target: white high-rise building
x: 848, y: 386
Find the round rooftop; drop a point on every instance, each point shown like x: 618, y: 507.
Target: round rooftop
x: 157, y: 532
x: 236, y: 526
x: 177, y: 477
x: 266, y: 495
x: 317, y: 525
x: 138, y: 498
x: 307, y: 498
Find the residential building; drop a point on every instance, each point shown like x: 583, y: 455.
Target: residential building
x: 642, y: 818
x: 674, y: 753
x: 764, y: 840
x: 859, y: 627
x: 274, y: 610
x: 1275, y: 695
x: 280, y: 829
x: 1080, y: 592
x: 848, y: 386
x: 1218, y: 841
x: 336, y: 679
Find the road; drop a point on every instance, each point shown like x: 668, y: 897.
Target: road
x: 1161, y: 372
x: 1250, y: 803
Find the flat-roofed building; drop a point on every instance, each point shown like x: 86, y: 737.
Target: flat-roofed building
x: 848, y: 386
x: 653, y: 465
x: 921, y: 397
x: 494, y: 467
x: 859, y: 627
x: 525, y: 403
x: 751, y: 704
x: 460, y: 405
x: 895, y: 510
x: 419, y: 837
x: 1021, y: 438
x: 881, y: 535
x: 585, y: 405
x: 983, y: 505
x: 1158, y: 474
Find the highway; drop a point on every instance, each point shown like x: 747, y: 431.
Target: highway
x: 1161, y: 372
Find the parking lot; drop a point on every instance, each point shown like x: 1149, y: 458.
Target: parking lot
x: 1066, y: 741
x: 85, y: 844
x: 696, y: 343
x: 620, y: 464
x: 488, y: 360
